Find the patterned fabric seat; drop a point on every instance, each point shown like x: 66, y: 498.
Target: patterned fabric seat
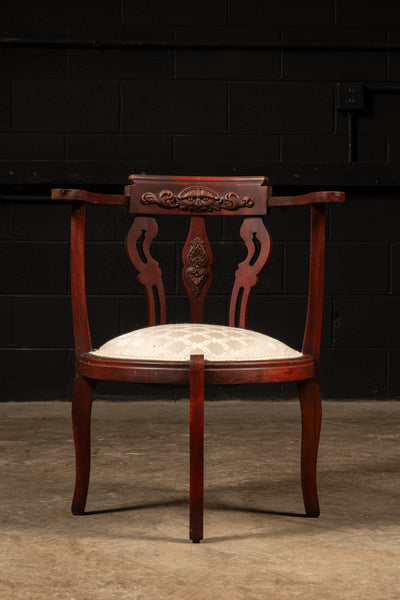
x: 177, y: 342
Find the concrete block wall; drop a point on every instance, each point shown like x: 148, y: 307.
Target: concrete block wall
x: 76, y: 116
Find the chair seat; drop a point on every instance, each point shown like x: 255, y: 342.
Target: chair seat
x: 177, y: 342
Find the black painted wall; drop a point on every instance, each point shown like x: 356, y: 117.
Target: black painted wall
x: 82, y: 115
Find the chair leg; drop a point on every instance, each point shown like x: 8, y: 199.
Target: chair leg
x: 311, y: 413
x: 196, y: 447
x: 81, y: 411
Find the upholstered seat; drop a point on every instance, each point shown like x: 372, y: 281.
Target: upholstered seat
x: 177, y: 342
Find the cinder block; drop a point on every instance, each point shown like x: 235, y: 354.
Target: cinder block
x: 120, y: 64
x: 4, y: 212
x: 284, y: 317
x: 394, y: 373
x: 333, y: 65
x: 308, y: 148
x: 57, y: 105
x: 39, y: 222
x: 133, y: 312
x: 371, y: 148
x: 33, y: 62
x: 6, y: 320
x: 174, y: 12
x: 44, y: 375
x: 28, y: 146
x: 120, y: 32
x: 287, y: 13
x: 395, y: 269
x: 367, y: 322
x: 381, y: 116
x: 46, y: 321
x: 6, y: 12
x: 332, y: 148
x: 281, y: 108
x: 394, y: 148
x: 43, y: 322
x: 5, y: 106
x: 283, y: 224
x: 34, y: 268
x: 338, y: 66
x: 101, y: 223
x: 235, y: 64
x: 72, y: 12
x: 357, y: 268
x: 103, y: 318
x: 280, y: 317
x: 227, y: 256
x: 174, y: 107
x: 226, y: 147
x: 393, y: 58
x: 110, y: 146
x: 366, y: 14
x: 348, y: 373
x: 109, y: 270
x: 349, y: 268
x: 366, y: 217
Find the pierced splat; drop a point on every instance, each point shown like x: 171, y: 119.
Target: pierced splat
x: 196, y: 273
x: 258, y: 244
x: 138, y: 241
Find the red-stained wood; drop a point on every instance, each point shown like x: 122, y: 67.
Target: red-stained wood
x: 147, y: 371
x: 89, y: 197
x: 312, y: 331
x: 246, y: 275
x: 173, y: 195
x: 81, y: 412
x: 196, y: 504
x: 313, y: 198
x: 198, y: 197
x: 196, y: 273
x: 311, y: 416
x: 150, y: 275
x: 78, y: 285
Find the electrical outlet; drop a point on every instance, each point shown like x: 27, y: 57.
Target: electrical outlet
x: 350, y: 96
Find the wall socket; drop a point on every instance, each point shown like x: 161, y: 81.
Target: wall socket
x: 349, y: 96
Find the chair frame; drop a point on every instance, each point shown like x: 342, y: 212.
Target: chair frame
x: 197, y: 373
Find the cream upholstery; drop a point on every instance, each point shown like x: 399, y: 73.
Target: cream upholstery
x: 178, y: 341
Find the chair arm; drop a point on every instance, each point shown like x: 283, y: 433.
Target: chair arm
x: 90, y: 197
x: 312, y: 198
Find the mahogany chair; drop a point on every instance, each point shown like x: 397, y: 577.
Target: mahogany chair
x: 195, y: 353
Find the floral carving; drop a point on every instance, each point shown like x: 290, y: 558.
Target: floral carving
x: 197, y: 199
x: 197, y: 261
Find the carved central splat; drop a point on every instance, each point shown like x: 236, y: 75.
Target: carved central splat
x: 197, y: 199
x: 196, y: 273
x: 197, y: 261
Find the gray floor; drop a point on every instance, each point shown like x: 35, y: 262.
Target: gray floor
x: 257, y: 542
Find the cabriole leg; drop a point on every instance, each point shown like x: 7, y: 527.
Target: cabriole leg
x: 311, y: 413
x: 196, y: 447
x: 81, y: 411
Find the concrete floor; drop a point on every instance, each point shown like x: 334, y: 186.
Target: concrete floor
x: 134, y: 543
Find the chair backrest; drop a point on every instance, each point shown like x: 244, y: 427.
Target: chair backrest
x: 198, y: 198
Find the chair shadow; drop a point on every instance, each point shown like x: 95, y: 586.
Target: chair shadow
x: 182, y: 502
x: 103, y: 511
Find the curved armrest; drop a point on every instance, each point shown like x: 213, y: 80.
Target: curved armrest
x: 89, y: 197
x: 313, y: 198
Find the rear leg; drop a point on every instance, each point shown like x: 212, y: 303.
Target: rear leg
x: 311, y: 414
x: 81, y: 411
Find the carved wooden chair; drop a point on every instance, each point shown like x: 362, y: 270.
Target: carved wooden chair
x: 195, y: 353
